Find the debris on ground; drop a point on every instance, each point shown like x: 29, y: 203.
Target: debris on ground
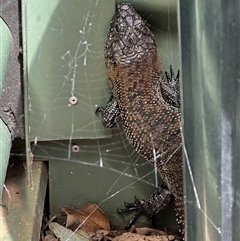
x: 90, y: 223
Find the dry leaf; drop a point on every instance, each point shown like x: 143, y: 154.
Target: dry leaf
x: 66, y: 234
x: 89, y: 218
x: 138, y: 237
x: 149, y: 231
x: 104, y: 235
x: 49, y: 237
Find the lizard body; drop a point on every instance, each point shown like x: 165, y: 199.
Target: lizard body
x: 150, y: 115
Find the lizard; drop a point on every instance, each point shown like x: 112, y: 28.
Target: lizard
x: 148, y: 106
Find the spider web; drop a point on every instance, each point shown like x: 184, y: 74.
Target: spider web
x: 67, y: 82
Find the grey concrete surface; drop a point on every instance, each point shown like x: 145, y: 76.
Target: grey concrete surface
x: 11, y: 104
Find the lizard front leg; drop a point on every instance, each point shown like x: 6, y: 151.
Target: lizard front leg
x: 110, y: 114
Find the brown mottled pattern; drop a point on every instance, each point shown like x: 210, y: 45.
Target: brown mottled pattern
x: 151, y: 125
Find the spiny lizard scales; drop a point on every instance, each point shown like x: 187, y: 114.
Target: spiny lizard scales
x: 147, y: 106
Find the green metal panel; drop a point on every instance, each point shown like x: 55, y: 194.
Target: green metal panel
x: 210, y: 46
x: 5, y: 147
x: 63, y: 46
x: 105, y: 171
x: 5, y: 135
x: 5, y: 51
x: 65, y: 61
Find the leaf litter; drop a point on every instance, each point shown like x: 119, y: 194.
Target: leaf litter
x: 90, y: 223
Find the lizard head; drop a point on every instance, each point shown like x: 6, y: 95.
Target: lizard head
x: 129, y: 37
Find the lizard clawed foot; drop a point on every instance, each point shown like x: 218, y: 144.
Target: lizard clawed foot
x: 160, y: 199
x: 136, y: 206
x: 171, y: 88
x: 132, y: 206
x: 171, y: 77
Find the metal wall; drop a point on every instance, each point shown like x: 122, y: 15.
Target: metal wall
x: 210, y: 50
